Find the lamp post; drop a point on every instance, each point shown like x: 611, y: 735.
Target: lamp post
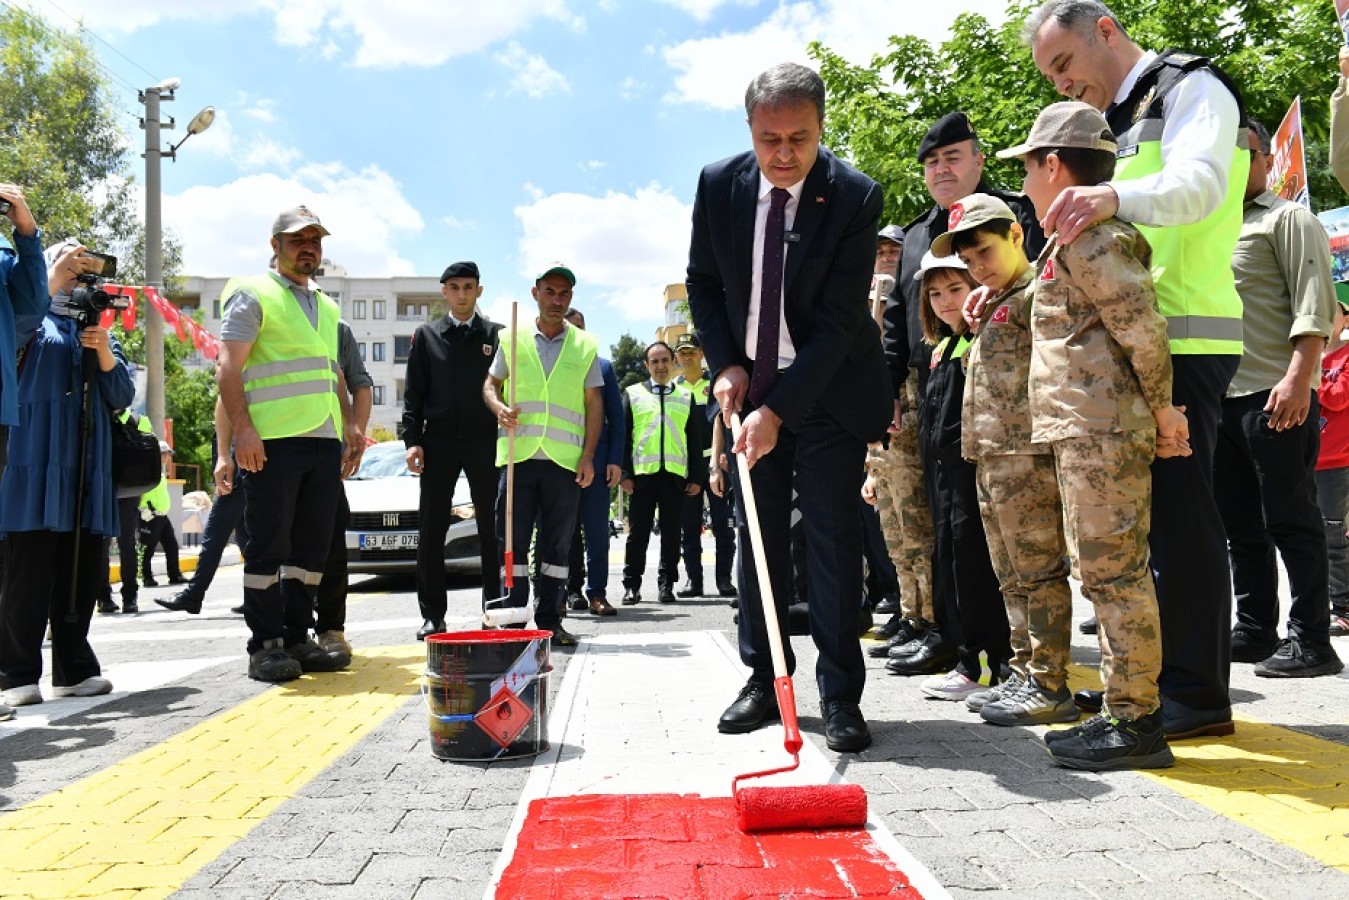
x: 154, y: 235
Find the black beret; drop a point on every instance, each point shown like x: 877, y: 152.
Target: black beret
x: 461, y: 270
x: 951, y: 128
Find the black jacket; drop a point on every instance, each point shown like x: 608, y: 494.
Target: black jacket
x: 447, y: 365
x: 939, y: 420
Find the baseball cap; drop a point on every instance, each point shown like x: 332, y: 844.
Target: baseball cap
x: 951, y: 128
x: 164, y: 447
x: 460, y: 270
x: 970, y: 213
x: 932, y: 261
x: 1342, y: 293
x: 557, y: 268
x: 1070, y: 123
x: 892, y: 233
x: 687, y: 339
x: 297, y: 219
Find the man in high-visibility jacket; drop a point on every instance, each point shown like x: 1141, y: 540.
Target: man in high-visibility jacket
x: 660, y: 468
x: 556, y: 418
x: 295, y: 434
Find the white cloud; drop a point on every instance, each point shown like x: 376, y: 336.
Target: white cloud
x: 702, y: 10
x: 631, y: 88
x: 713, y: 71
x: 264, y: 110
x: 457, y: 224
x: 593, y: 165
x: 250, y: 152
x: 224, y: 229
x: 624, y: 248
x: 533, y: 77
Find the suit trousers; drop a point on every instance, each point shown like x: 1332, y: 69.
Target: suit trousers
x: 547, y: 497
x: 39, y: 566
x: 663, y: 491
x: 824, y: 461
x: 226, y: 516
x: 445, y: 459
x: 723, y: 536
x: 1188, y: 545
x: 589, y: 560
x: 330, y: 605
x: 290, y: 504
x: 1265, y: 484
x: 158, y: 532
x: 881, y: 580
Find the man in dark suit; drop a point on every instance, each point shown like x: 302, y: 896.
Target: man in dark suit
x: 784, y: 238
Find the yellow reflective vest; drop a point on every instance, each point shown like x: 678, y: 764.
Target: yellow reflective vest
x: 552, y: 406
x: 658, y: 429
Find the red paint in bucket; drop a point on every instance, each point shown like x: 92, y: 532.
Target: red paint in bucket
x: 487, y: 693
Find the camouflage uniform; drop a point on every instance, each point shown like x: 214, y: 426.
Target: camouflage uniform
x: 1101, y: 364
x: 1018, y: 493
x: 901, y: 504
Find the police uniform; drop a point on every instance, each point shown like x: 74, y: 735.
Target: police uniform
x: 691, y: 527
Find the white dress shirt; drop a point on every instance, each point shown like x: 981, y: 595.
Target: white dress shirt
x: 1199, y: 134
x: 786, y: 349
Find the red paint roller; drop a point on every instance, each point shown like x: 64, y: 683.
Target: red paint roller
x: 785, y: 808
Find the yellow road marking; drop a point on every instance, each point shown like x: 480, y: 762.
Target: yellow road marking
x: 1287, y: 785
x: 144, y: 826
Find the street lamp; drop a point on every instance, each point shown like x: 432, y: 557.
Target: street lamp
x: 154, y: 235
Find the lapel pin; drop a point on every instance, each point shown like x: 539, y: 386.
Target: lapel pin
x: 819, y: 199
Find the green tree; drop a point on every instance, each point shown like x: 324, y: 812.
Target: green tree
x: 878, y: 113
x: 626, y: 356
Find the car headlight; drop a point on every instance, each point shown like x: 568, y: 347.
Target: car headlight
x: 463, y: 511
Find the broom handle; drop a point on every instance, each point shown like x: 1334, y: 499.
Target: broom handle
x: 770, y: 609
x: 510, y: 457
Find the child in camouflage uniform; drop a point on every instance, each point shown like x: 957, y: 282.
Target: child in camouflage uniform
x: 1100, y: 396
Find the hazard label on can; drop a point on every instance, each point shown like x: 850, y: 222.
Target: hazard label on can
x: 504, y: 717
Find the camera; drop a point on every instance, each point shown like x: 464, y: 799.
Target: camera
x: 88, y: 299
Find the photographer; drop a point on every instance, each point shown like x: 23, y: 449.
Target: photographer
x: 38, y: 500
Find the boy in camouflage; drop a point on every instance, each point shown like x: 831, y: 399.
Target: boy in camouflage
x: 1100, y: 396
x: 1018, y: 491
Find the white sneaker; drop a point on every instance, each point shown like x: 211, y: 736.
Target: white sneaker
x: 950, y: 686
x: 334, y: 640
x: 6, y: 712
x: 976, y: 701
x: 26, y: 695
x: 1032, y: 705
x: 92, y: 686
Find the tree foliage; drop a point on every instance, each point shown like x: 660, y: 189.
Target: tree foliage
x: 626, y: 356
x: 1273, y: 49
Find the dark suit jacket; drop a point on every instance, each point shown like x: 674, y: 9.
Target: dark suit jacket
x: 839, y: 364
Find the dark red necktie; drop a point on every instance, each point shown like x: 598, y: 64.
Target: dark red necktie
x: 770, y: 299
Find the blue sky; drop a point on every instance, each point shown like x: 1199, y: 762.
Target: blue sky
x: 511, y: 132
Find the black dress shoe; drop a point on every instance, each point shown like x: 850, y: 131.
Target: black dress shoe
x: 726, y: 589
x: 429, y: 628
x: 1180, y: 722
x: 933, y: 656
x: 182, y: 602
x: 691, y: 589
x: 177, y: 579
x: 1089, y: 700
x: 844, y: 728
x: 149, y: 582
x: 888, y: 604
x: 129, y: 608
x: 756, y: 705
x: 1088, y: 627
x: 107, y: 608
x: 666, y: 595
x: 237, y: 610
x: 631, y: 597
x: 886, y: 631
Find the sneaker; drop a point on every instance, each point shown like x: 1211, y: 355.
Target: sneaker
x: 130, y: 608
x: 335, y: 642
x: 577, y: 603
x: 313, y: 658
x: 951, y: 686
x: 25, y: 695
x: 1105, y: 743
x: 1005, y: 688
x: 1298, y: 659
x: 1031, y: 704
x: 1339, y: 622
x: 93, y: 686
x: 1248, y: 647
x: 6, y: 712
x: 108, y: 608
x: 271, y: 662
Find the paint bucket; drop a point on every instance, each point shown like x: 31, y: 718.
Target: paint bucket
x: 487, y: 693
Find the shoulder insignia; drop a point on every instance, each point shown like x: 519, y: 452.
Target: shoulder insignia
x: 1001, y: 314
x: 1142, y: 108
x: 1047, y: 274
x: 486, y: 349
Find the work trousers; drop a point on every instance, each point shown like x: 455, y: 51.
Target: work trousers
x: 39, y: 566
x: 589, y: 559
x: 723, y: 536
x: 290, y: 504
x: 905, y: 517
x: 158, y: 532
x: 330, y: 606
x: 1023, y: 521
x: 1188, y: 544
x: 881, y: 581
x: 1265, y: 483
x: 445, y: 459
x: 546, y: 497
x: 824, y: 461
x: 663, y: 491
x: 128, y: 550
x: 226, y: 517
x: 1332, y: 496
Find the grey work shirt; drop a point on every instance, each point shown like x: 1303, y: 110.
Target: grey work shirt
x: 1282, y: 268
x: 243, y: 322
x: 549, y: 350
x: 349, y: 359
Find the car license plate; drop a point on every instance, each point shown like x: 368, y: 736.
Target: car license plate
x: 389, y: 541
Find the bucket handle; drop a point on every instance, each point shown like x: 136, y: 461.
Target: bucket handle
x: 426, y: 695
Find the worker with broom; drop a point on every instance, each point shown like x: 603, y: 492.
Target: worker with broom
x: 784, y: 238
x: 556, y: 418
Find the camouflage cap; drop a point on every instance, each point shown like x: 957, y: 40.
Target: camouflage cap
x: 968, y: 213
x: 1070, y: 123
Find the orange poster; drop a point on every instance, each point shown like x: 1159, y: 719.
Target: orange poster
x: 1288, y: 178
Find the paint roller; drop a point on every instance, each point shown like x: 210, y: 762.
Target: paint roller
x: 498, y: 613
x: 797, y: 807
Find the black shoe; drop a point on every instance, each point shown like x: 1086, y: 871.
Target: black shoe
x: 666, y: 595
x: 177, y: 579
x: 904, y: 632
x: 561, y: 636
x: 886, y: 631
x: 237, y: 610
x: 922, y: 638
x: 108, y: 608
x: 149, y: 582
x: 313, y: 658
x: 577, y: 603
x: 1248, y: 647
x: 271, y: 662
x: 130, y: 608
x: 934, y: 656
x: 889, y: 604
x: 429, y: 628
x: 844, y: 728
x: 1181, y: 722
x: 631, y: 596
x: 1088, y: 700
x: 1106, y: 743
x: 1297, y: 658
x: 735, y: 603
x: 864, y: 621
x: 182, y: 602
x: 726, y: 589
x: 755, y: 705
x: 691, y: 589
x: 1088, y: 627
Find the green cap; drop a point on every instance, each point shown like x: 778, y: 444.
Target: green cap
x: 1342, y: 293
x: 557, y: 268
x: 969, y: 213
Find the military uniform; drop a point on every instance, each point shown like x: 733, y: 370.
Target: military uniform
x: 1100, y: 366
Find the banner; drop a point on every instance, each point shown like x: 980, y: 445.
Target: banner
x: 185, y: 327
x: 1342, y: 16
x: 1336, y: 222
x: 1288, y: 178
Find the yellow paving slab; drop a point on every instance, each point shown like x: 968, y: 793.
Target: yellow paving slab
x: 1291, y: 787
x: 199, y: 791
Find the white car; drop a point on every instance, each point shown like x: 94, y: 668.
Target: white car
x: 382, y: 532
